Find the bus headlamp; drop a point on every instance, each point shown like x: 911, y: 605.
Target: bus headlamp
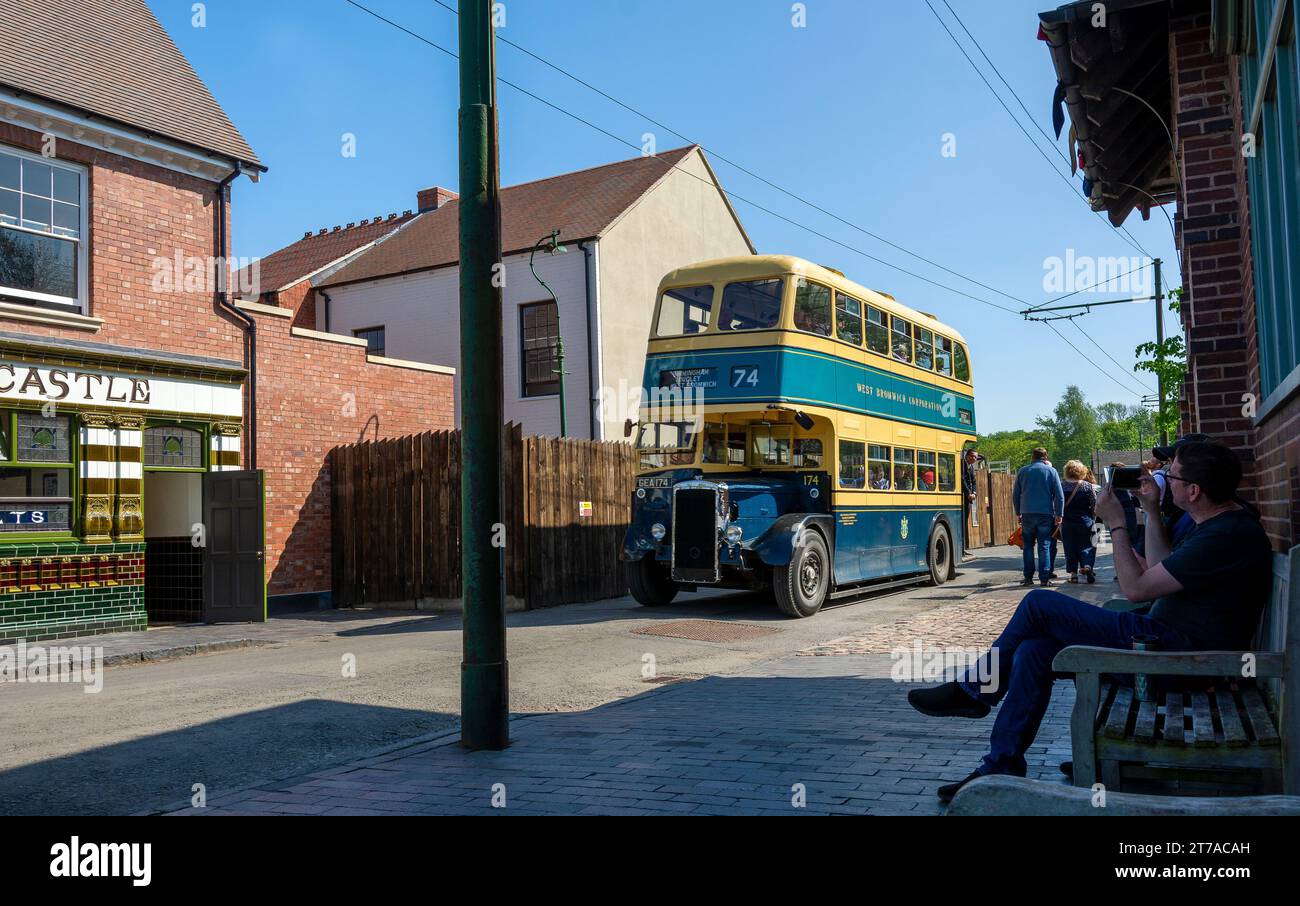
x: 734, y: 534
x: 657, y: 531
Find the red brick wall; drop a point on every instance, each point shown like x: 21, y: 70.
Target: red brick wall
x: 314, y: 395
x: 139, y: 212
x: 1218, y: 275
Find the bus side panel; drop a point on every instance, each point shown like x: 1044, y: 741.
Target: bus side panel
x: 887, y: 542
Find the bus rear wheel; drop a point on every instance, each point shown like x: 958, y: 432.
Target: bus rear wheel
x: 939, y: 556
x: 801, y: 588
x: 649, y: 584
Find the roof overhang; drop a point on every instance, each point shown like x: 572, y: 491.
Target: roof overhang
x: 25, y: 109
x: 1115, y: 79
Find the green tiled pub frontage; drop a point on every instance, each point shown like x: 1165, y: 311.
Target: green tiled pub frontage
x: 95, y: 441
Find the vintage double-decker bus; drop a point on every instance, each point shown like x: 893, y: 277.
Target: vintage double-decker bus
x: 796, y: 432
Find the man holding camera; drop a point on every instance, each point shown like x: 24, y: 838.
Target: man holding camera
x: 1208, y: 592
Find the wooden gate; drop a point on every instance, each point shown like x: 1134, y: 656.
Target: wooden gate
x: 996, y: 515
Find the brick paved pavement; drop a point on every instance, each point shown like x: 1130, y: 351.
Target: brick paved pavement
x: 733, y: 744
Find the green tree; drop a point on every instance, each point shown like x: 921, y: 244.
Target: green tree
x: 1073, y: 427
x: 1014, y: 447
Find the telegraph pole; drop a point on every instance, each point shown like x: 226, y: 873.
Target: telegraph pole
x: 1160, y: 357
x: 484, y: 683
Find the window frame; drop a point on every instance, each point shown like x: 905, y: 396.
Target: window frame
x: 889, y: 470
x: 910, y: 463
x: 360, y: 332
x: 9, y: 416
x: 839, y: 464
x: 523, y: 351
x: 205, y: 444
x: 803, y: 283
x: 659, y: 310
x: 938, y: 484
x: 80, y: 303
x: 911, y: 340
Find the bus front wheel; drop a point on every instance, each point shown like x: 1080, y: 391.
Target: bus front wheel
x: 649, y: 584
x: 939, y: 556
x: 801, y: 588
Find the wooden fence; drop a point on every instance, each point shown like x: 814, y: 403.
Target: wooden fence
x: 396, y: 519
x: 993, y: 510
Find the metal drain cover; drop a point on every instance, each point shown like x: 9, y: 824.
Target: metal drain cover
x: 707, y: 631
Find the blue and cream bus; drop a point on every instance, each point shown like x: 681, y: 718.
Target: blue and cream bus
x: 797, y: 432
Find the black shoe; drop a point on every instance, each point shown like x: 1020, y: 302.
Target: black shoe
x: 947, y: 791
x: 948, y: 700
x: 1092, y: 577
x: 1046, y: 583
x: 1053, y: 575
x: 1067, y: 768
x: 1027, y: 582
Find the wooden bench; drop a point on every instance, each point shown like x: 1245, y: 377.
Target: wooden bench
x: 1231, y: 731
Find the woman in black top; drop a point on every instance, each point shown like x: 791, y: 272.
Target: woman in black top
x: 1077, y: 521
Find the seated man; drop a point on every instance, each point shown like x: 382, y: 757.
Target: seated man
x: 1208, y: 591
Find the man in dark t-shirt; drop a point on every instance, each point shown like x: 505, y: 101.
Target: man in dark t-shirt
x: 1209, y: 591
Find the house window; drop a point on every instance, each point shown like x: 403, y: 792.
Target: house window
x: 540, y: 335
x: 42, y: 230
x: 374, y: 337
x: 36, y: 478
x: 173, y: 447
x: 1274, y: 191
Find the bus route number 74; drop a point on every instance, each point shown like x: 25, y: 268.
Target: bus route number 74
x: 743, y: 376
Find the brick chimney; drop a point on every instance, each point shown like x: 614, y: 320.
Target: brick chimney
x: 432, y: 199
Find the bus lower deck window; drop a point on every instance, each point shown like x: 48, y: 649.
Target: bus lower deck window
x: 769, y: 445
x: 904, y: 469
x: 925, y: 469
x: 853, y: 468
x: 878, y: 464
x: 947, y: 472
x: 807, y: 453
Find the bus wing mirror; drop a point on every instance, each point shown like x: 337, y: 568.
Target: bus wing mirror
x: 627, y: 427
x: 804, y: 420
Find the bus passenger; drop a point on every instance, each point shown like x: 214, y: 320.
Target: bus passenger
x: 926, y: 482
x: 878, y: 480
x: 903, y: 478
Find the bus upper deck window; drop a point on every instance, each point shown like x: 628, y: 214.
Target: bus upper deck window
x: 943, y: 355
x: 924, y: 349
x: 807, y: 453
x: 812, y: 308
x: 853, y: 471
x: 752, y: 305
x: 901, y: 341
x: 683, y: 312
x: 961, y: 366
x: 848, y: 319
x: 878, y: 467
x: 877, y: 331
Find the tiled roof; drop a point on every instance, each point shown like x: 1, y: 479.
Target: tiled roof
x: 580, y: 205
x: 316, y: 250
x: 113, y: 58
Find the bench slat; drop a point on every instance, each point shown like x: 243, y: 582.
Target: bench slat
x: 1234, y: 734
x: 1202, y: 721
x: 1174, y: 729
x: 1144, y: 730
x: 1261, y: 724
x: 1117, y: 720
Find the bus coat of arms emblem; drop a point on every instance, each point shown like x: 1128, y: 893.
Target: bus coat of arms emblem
x: 902, y: 527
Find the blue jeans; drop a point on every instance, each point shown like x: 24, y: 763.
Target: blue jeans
x: 1037, y: 532
x: 1021, y: 678
x: 1079, y: 552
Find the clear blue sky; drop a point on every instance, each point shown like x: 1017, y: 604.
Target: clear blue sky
x: 849, y: 112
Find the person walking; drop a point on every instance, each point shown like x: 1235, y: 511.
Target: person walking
x: 1077, y: 518
x: 968, y: 489
x: 1039, y: 502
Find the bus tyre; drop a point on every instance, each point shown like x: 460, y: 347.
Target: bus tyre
x: 801, y: 588
x: 649, y: 584
x: 939, y: 556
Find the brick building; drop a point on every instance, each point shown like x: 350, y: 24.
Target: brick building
x: 128, y: 383
x: 1220, y: 138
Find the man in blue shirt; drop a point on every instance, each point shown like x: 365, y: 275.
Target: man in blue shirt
x: 1039, y: 502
